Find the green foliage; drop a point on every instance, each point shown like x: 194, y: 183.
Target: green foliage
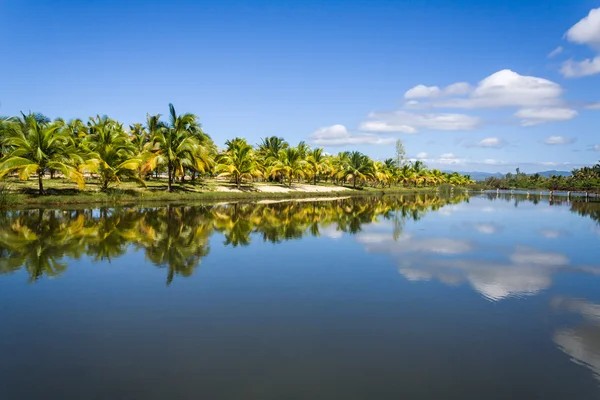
x: 103, y: 149
x: 581, y: 179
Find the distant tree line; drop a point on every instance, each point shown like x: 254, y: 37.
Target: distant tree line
x: 581, y: 179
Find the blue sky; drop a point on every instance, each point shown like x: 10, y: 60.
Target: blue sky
x: 466, y: 85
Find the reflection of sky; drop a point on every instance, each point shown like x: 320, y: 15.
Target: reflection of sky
x: 326, y: 317
x: 581, y: 343
x: 500, y: 248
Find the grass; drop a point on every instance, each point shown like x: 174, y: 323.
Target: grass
x: 19, y: 194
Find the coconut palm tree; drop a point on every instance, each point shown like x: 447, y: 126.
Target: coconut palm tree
x: 112, y: 154
x: 238, y: 161
x: 174, y: 146
x: 316, y: 161
x: 269, y: 149
x: 37, y: 146
x: 358, y: 166
x: 139, y: 137
x: 290, y: 164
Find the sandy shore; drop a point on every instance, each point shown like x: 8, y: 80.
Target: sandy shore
x: 299, y: 187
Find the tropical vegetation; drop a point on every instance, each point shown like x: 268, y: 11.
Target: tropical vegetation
x: 105, y: 152
x: 581, y: 179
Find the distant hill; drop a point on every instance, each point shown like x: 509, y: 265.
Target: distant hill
x: 481, y: 176
x: 548, y: 174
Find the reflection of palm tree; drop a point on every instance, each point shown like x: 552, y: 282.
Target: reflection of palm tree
x: 39, y: 241
x: 236, y: 223
x: 177, y: 237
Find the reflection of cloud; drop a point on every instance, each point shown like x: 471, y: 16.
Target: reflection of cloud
x: 581, y: 343
x: 381, y: 242
x: 589, y: 310
x: 552, y: 233
x: 414, y: 274
x: 497, y: 283
x: 525, y: 272
x: 486, y: 228
x: 525, y: 255
x: 331, y: 232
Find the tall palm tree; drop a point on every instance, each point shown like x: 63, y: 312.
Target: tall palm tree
x: 139, y: 137
x: 316, y: 162
x: 290, y: 164
x: 38, y: 146
x: 358, y: 166
x: 238, y: 161
x: 270, y: 147
x: 174, y: 146
x: 113, y: 155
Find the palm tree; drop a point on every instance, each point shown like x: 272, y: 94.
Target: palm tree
x: 238, y: 161
x: 174, y: 146
x: 112, y: 153
x: 270, y: 147
x: 290, y: 164
x: 316, y: 161
x: 7, y: 125
x: 139, y: 137
x: 38, y: 146
x: 358, y: 166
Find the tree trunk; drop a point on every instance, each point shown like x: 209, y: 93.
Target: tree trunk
x: 237, y: 181
x: 183, y: 177
x: 169, y: 177
x: 354, y: 186
x: 315, y: 179
x: 40, y: 183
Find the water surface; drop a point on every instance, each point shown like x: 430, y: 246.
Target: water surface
x: 487, y: 297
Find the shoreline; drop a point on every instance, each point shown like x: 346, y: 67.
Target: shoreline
x: 119, y: 197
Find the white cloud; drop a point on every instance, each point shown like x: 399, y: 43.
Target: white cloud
x: 338, y: 135
x: 384, y: 126
x: 490, y: 142
x: 596, y: 147
x: 405, y: 122
x: 536, y: 116
x: 575, y: 69
x: 587, y: 30
x: 507, y: 88
x: 422, y: 92
x: 430, y: 92
x: 593, y: 106
x: 422, y: 155
x: 491, y: 161
x: 447, y: 155
x: 457, y: 89
x: 558, y: 140
x: 556, y: 52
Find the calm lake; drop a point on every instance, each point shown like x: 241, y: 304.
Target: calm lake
x: 401, y: 297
